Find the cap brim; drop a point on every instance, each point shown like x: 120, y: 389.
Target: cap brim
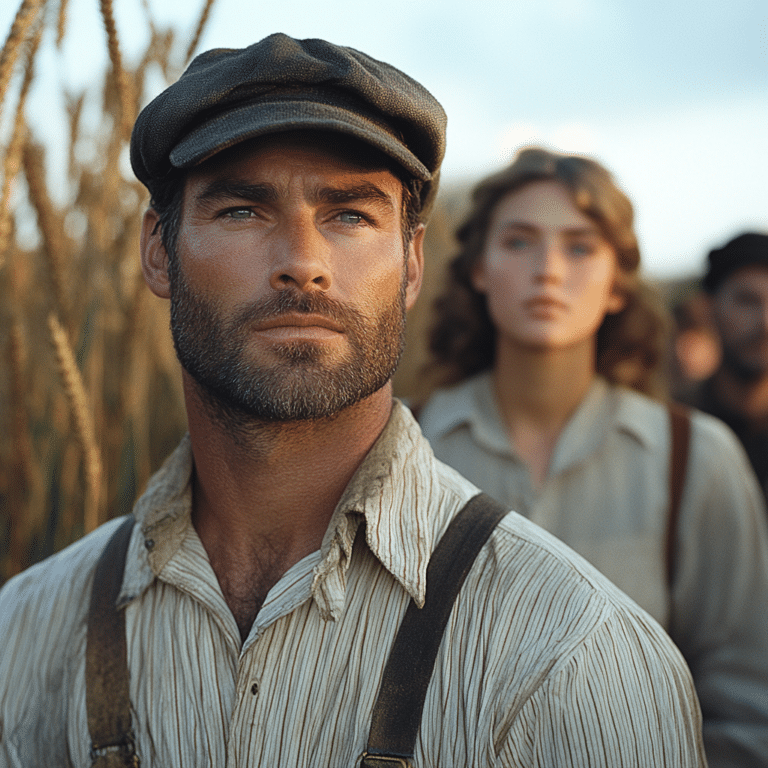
x: 253, y: 120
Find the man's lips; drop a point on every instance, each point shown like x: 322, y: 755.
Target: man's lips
x: 299, y: 325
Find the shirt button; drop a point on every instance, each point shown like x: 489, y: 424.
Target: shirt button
x: 255, y: 689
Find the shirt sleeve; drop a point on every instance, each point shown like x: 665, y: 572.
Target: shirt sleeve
x: 624, y: 699
x: 720, y: 596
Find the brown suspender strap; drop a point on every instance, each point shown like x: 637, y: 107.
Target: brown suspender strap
x: 397, y: 713
x: 106, y: 661
x: 680, y: 425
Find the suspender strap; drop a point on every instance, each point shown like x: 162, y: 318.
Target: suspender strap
x: 680, y: 425
x: 106, y: 661
x: 397, y: 712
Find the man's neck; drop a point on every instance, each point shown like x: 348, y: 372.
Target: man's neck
x: 263, y: 497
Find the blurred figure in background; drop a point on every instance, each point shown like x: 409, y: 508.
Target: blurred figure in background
x: 695, y: 346
x: 549, y: 349
x: 736, y: 283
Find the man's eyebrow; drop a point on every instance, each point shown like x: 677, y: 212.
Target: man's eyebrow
x: 365, y: 192
x: 228, y: 189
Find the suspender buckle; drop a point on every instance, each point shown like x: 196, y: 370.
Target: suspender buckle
x: 119, y: 754
x: 384, y: 761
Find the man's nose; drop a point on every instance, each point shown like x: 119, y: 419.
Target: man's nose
x: 300, y: 256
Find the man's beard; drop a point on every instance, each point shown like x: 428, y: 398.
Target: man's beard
x: 744, y: 364
x: 302, y: 384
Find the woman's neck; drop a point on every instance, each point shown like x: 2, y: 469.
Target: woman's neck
x: 537, y: 391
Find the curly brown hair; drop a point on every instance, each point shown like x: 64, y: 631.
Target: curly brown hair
x: 630, y: 344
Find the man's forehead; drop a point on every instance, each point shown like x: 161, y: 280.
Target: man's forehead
x: 752, y: 278
x: 342, y: 151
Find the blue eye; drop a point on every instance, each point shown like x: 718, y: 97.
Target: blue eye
x: 239, y: 213
x: 351, y: 217
x: 581, y: 249
x: 515, y: 243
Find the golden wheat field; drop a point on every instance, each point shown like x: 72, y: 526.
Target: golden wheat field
x: 90, y: 397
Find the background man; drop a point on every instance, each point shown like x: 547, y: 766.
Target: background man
x: 274, y: 554
x: 737, y: 284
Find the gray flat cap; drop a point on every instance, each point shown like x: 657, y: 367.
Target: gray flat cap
x: 280, y: 84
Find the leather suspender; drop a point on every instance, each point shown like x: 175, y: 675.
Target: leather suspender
x: 680, y: 425
x: 397, y: 712
x: 106, y: 661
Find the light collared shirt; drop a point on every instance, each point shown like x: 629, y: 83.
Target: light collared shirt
x: 544, y: 662
x: 606, y: 494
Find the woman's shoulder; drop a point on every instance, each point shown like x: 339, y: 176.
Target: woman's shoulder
x: 448, y: 406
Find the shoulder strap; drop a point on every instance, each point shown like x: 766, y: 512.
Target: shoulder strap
x: 397, y: 713
x: 680, y: 425
x: 106, y: 661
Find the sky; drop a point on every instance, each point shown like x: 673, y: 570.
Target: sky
x: 671, y: 95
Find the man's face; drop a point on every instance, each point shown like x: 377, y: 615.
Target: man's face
x: 290, y: 287
x: 740, y: 311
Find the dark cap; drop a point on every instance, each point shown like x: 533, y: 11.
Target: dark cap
x: 743, y: 251
x: 280, y: 84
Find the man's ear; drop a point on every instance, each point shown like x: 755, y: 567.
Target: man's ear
x: 414, y: 266
x: 154, y: 258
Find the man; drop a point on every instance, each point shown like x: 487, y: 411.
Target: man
x: 736, y: 283
x: 274, y: 554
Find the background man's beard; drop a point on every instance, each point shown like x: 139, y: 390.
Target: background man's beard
x: 743, y: 368
x: 303, y: 385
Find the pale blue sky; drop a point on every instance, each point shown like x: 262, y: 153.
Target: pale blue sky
x: 672, y: 96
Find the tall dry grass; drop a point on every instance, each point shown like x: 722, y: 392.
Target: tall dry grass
x: 90, y: 399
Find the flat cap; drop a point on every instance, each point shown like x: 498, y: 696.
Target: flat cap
x: 281, y: 84
x: 745, y: 250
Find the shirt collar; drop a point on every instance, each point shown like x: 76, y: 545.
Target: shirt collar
x: 471, y: 403
x: 389, y: 492
x: 605, y: 407
x: 401, y: 528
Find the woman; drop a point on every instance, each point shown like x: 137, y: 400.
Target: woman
x: 549, y: 349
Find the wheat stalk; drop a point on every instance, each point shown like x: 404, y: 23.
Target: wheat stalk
x: 206, y: 12
x: 24, y: 19
x: 82, y: 418
x: 12, y: 157
x: 74, y: 110
x: 122, y: 83
x: 49, y: 222
x: 21, y: 459
x: 61, y: 22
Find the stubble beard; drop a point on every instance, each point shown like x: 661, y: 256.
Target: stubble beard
x: 743, y: 366
x: 300, y: 383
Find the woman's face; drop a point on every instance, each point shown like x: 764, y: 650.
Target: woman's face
x: 548, y: 273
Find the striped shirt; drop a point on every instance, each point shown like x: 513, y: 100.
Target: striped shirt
x: 606, y: 495
x: 544, y: 662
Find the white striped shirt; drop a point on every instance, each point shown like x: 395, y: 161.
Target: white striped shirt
x: 544, y: 662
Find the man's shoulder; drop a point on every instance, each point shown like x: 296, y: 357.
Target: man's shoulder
x: 57, y: 586
x: 518, y: 543
x: 547, y: 588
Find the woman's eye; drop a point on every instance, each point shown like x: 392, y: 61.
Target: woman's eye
x: 581, y: 249
x: 515, y: 243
